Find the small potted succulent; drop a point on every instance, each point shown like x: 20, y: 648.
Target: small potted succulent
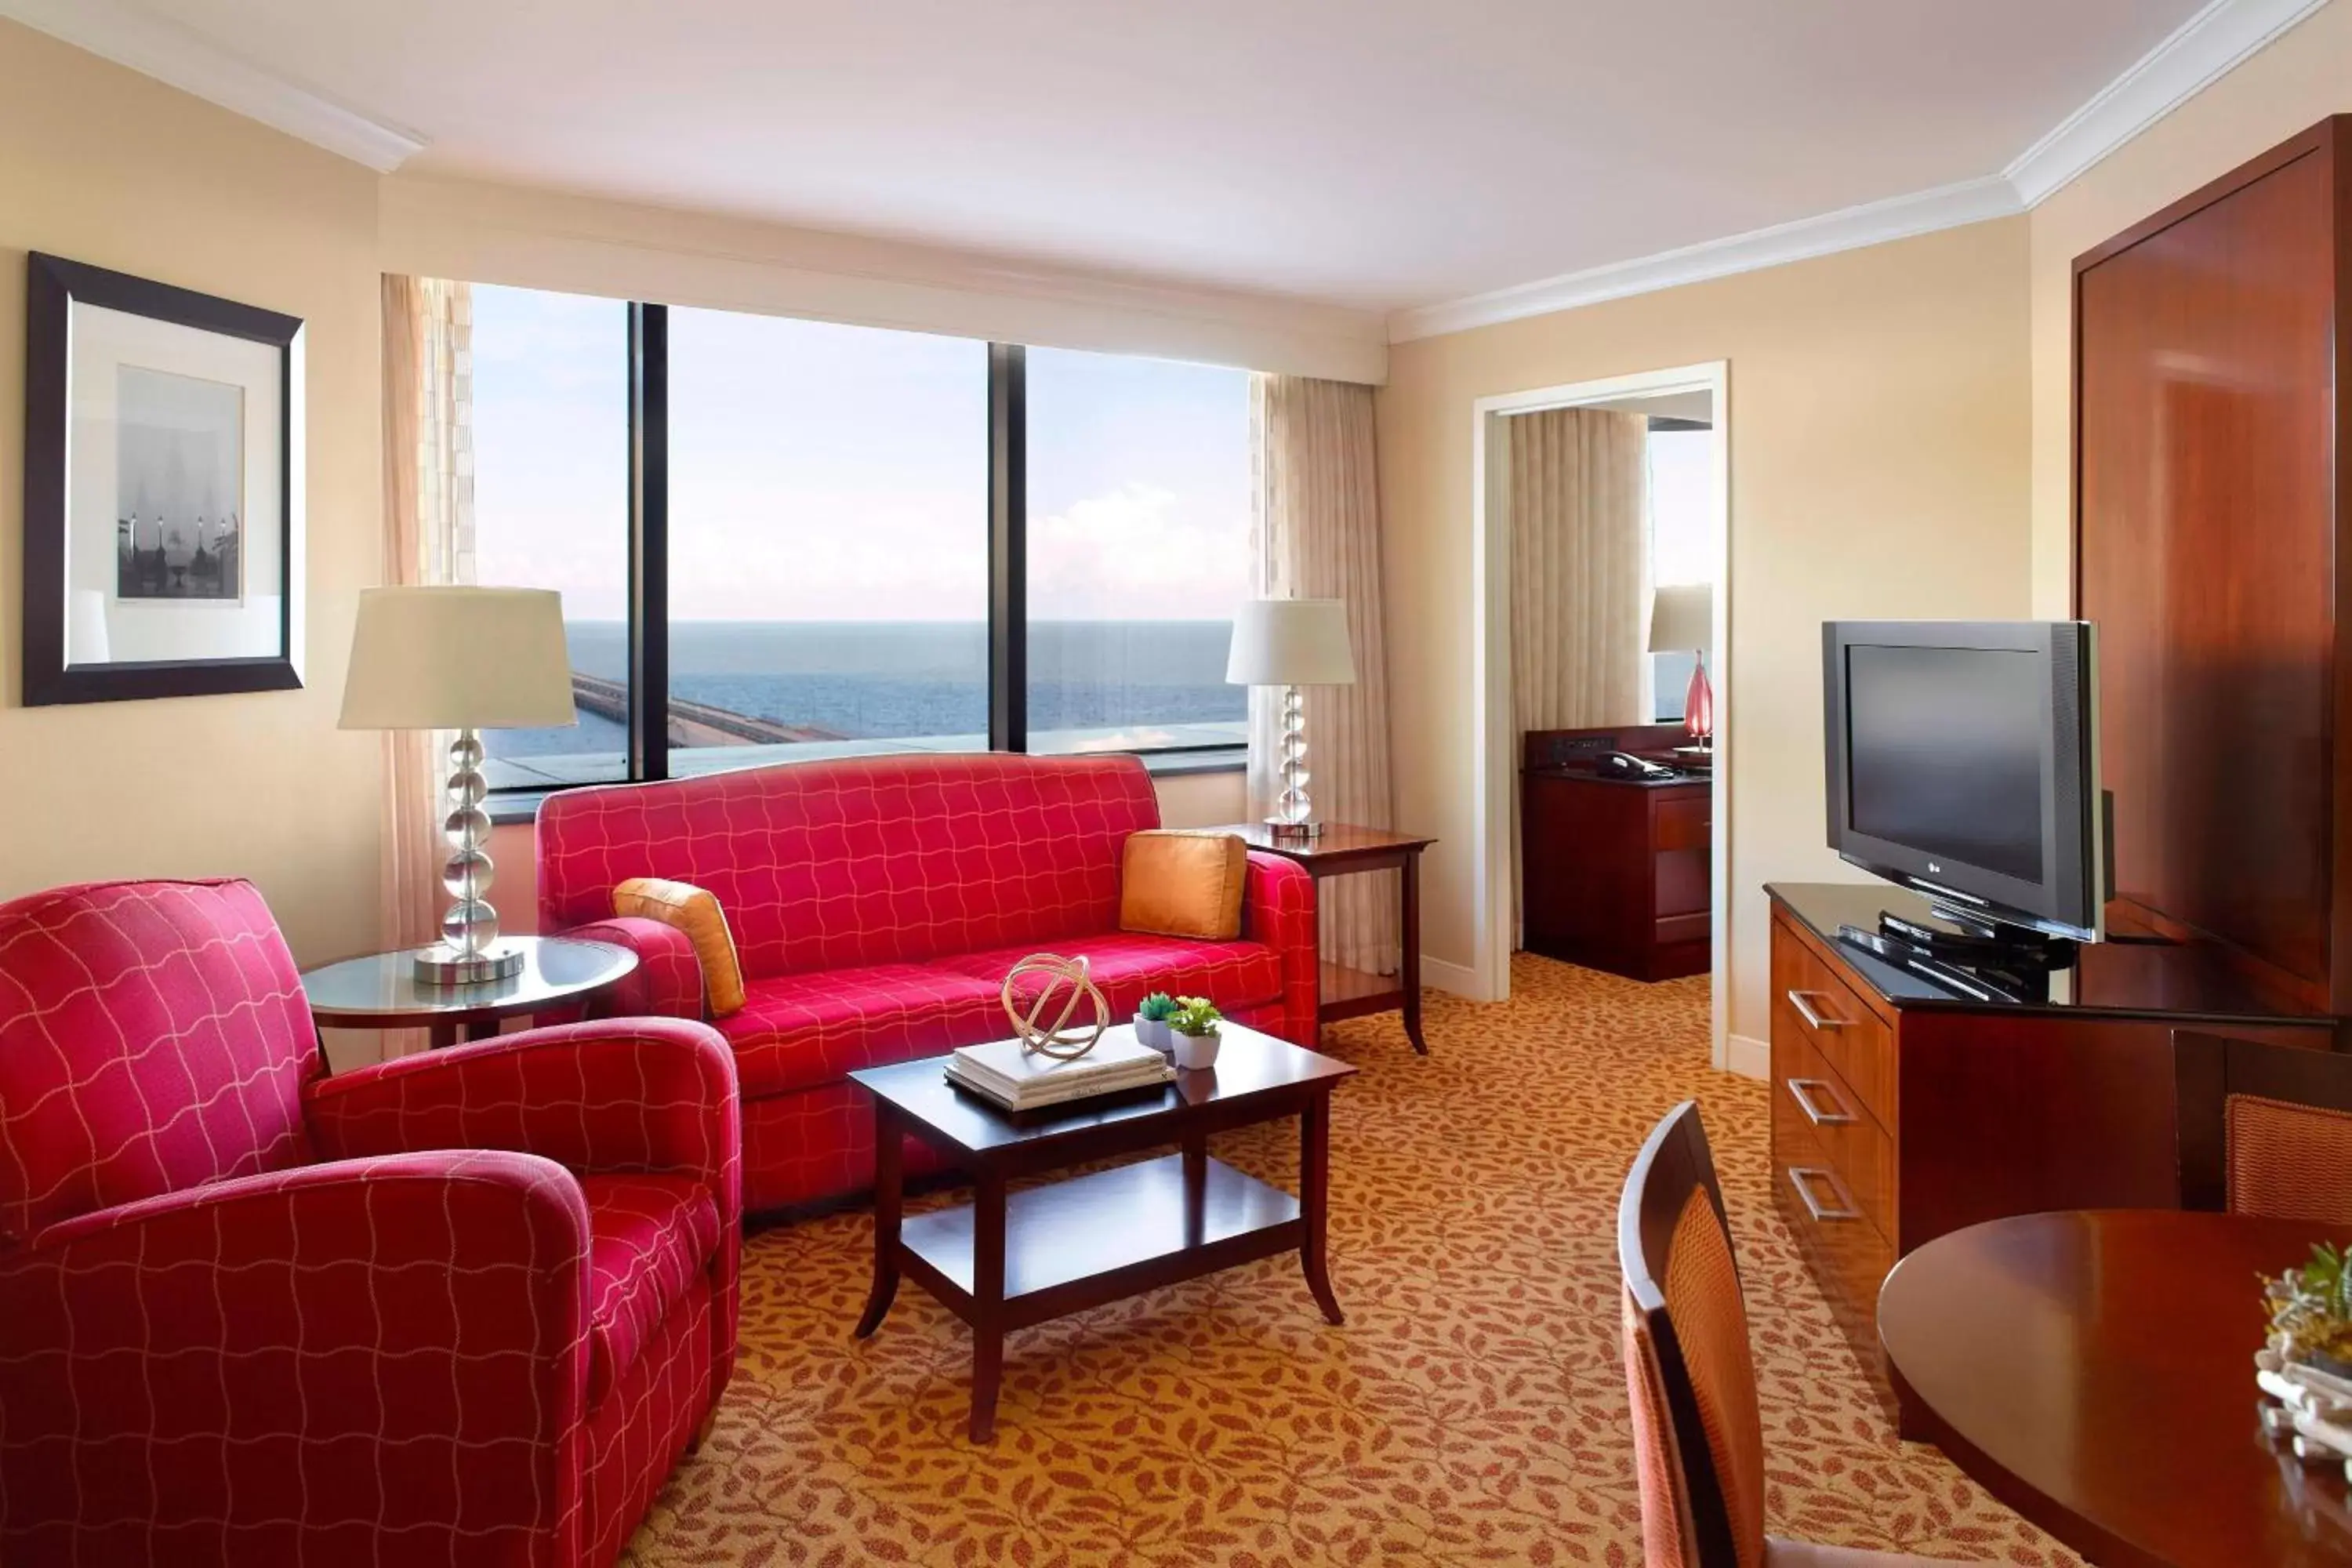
x: 1151, y: 1016
x: 1196, y: 1025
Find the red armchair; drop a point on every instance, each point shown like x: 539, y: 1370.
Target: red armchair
x: 876, y: 905
x: 466, y: 1307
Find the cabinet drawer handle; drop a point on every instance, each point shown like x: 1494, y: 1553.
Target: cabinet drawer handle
x: 1800, y: 1175
x: 1813, y: 1019
x: 1802, y: 1090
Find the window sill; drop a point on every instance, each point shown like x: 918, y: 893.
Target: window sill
x: 510, y: 806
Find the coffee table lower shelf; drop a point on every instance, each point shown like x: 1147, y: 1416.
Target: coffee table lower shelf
x: 1019, y: 1254
x: 1081, y: 1242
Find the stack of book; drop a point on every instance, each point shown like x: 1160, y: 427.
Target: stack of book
x: 1008, y: 1074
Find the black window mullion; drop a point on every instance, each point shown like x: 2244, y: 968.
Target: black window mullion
x: 1008, y: 548
x: 649, y: 541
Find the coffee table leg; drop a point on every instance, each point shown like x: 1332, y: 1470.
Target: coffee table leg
x: 1196, y: 1187
x: 988, y: 1300
x: 888, y: 1141
x: 1314, y: 1201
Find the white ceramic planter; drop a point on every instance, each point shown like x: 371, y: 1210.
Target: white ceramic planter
x: 1196, y: 1051
x: 1155, y: 1033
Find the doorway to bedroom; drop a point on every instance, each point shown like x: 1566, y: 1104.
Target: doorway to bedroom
x: 1604, y: 536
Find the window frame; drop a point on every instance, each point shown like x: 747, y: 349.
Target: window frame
x: 647, y: 751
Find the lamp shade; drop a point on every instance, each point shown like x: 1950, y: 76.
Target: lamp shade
x: 458, y: 659
x: 1291, y: 642
x: 1681, y: 617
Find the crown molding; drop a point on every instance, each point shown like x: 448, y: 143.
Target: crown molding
x: 119, y: 31
x: 2198, y: 52
x: 1873, y: 223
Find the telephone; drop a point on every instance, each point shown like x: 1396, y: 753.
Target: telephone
x: 1624, y: 765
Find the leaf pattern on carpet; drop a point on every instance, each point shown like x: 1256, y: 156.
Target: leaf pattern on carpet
x: 1471, y: 1410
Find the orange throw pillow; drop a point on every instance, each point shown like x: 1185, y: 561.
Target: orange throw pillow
x: 1176, y: 883
x: 696, y: 913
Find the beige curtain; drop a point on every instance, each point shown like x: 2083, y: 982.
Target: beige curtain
x: 428, y: 501
x: 1317, y: 536
x: 1579, y: 565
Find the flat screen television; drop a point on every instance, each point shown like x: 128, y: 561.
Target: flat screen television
x: 1963, y: 764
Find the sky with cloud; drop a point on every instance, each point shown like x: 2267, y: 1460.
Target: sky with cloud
x: 823, y: 472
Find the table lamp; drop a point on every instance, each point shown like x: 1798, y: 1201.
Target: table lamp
x: 1681, y: 615
x: 466, y: 660
x: 1292, y: 643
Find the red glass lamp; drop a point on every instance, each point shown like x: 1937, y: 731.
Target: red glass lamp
x: 1681, y: 615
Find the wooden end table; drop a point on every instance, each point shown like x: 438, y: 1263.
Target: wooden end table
x: 1341, y: 850
x: 380, y: 990
x: 1008, y: 1261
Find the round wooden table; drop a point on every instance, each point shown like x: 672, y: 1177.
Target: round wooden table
x: 380, y: 990
x: 2094, y: 1371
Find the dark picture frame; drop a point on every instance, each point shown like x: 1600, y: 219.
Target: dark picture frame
x: 55, y: 289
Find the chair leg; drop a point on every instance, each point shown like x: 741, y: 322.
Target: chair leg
x: 702, y: 1433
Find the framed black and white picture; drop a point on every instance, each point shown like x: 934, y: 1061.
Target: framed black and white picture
x: 162, y: 491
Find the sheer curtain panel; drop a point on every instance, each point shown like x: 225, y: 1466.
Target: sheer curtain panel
x: 1579, y: 565
x: 1316, y: 535
x: 428, y: 499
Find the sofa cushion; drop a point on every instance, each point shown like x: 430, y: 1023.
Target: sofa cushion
x: 648, y: 1238
x: 1129, y: 965
x: 861, y: 860
x: 799, y: 1031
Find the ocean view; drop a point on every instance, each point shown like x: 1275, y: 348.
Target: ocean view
x: 855, y: 680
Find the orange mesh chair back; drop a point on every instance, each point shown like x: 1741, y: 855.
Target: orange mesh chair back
x: 1697, y: 1433
x: 2286, y: 1161
x: 2264, y: 1129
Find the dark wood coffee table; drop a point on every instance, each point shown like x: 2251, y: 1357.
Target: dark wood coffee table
x: 1011, y: 1261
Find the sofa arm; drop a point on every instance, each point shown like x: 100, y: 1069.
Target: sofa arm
x: 668, y: 981
x: 1278, y: 909
x: 388, y: 1350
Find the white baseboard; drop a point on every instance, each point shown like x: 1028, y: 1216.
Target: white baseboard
x: 1459, y: 978
x: 1748, y: 1057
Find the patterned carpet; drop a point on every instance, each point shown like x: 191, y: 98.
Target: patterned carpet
x: 1471, y: 1411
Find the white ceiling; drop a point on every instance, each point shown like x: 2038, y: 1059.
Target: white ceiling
x: 1383, y: 154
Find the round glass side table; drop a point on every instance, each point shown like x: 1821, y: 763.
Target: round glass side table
x: 380, y: 990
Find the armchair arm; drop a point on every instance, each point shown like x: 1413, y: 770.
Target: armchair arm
x: 1278, y: 909
x: 386, y: 1349
x: 623, y: 1095
x: 668, y: 981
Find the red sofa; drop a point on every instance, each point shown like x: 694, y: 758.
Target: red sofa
x: 876, y: 905
x: 461, y: 1309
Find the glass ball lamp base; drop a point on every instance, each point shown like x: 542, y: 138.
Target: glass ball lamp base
x: 446, y: 964
x: 469, y: 952
x: 1294, y: 812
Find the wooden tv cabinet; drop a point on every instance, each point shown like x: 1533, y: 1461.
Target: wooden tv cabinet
x: 1900, y: 1112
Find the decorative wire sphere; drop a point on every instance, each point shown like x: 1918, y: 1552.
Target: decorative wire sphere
x: 1066, y: 978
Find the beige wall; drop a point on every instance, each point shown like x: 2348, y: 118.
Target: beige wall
x: 2302, y: 78
x: 101, y: 166
x: 1879, y: 428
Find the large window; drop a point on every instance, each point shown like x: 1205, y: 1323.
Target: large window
x: 828, y: 538
x: 1138, y: 552
x: 550, y: 440
x: 1682, y: 509
x: 778, y: 538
